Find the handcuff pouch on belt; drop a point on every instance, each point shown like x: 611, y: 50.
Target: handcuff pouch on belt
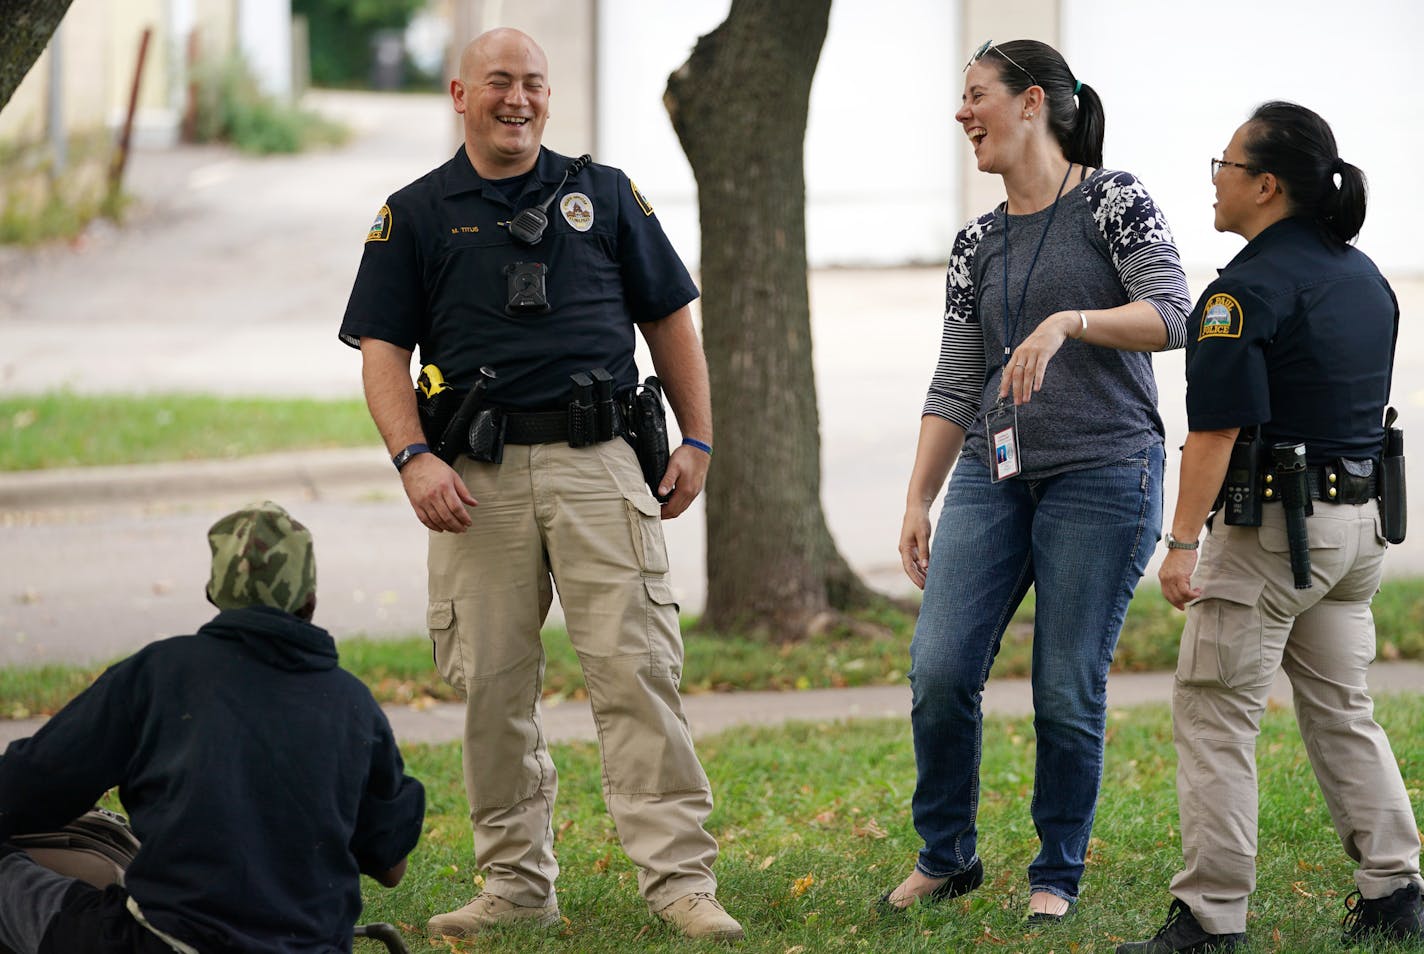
x: 647, y: 431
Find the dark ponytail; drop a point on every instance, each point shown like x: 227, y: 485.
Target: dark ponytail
x: 1297, y: 146
x: 1075, y: 112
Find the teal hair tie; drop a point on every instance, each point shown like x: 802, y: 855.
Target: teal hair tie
x: 1077, y: 85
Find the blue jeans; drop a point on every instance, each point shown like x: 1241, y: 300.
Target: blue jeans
x: 1082, y: 541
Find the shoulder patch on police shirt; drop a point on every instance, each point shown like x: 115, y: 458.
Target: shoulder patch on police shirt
x: 578, y: 211
x: 380, y: 229
x: 1221, y: 318
x: 643, y: 203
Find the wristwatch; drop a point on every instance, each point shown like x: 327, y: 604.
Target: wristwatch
x: 1174, y: 544
x: 403, y: 458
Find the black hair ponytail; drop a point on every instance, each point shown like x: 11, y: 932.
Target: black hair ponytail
x: 1298, y: 147
x: 1075, y: 111
x: 1086, y: 140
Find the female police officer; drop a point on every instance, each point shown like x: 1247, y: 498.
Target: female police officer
x: 1296, y: 340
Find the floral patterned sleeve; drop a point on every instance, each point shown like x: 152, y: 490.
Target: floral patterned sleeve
x: 958, y: 383
x: 1142, y: 249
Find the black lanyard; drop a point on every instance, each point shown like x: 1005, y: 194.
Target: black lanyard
x: 1009, y: 329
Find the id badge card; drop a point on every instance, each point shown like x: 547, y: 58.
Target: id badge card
x: 1002, y: 426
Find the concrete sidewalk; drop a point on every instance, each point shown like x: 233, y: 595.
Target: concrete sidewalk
x: 710, y: 713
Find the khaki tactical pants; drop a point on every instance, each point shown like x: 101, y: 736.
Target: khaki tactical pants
x: 1250, y: 621
x: 584, y: 518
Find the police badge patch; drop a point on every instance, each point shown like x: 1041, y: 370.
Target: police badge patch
x: 1221, y: 318
x: 380, y: 229
x: 578, y: 211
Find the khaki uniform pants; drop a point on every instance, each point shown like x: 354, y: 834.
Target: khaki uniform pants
x: 584, y: 518
x: 1250, y: 621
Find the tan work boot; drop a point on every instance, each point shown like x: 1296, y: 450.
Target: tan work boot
x: 487, y: 911
x: 700, y: 915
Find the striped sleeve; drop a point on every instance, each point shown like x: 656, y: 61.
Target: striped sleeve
x: 958, y: 383
x: 1143, y: 251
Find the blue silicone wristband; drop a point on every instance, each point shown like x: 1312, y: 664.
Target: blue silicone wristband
x: 694, y: 442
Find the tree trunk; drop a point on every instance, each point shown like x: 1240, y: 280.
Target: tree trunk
x: 739, y: 107
x: 25, y: 30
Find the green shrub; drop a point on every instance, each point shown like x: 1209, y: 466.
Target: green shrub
x: 232, y: 108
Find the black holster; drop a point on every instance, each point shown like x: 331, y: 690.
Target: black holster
x: 461, y: 422
x: 1393, y: 501
x: 1240, y: 495
x: 647, y: 431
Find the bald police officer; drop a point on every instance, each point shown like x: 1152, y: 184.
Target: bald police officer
x: 444, y: 272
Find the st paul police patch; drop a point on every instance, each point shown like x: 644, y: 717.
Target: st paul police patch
x: 380, y: 229
x: 1221, y: 318
x: 643, y: 203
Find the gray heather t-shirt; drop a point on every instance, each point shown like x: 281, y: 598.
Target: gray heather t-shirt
x: 1108, y: 245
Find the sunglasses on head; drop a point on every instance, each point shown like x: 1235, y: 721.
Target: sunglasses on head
x: 988, y: 47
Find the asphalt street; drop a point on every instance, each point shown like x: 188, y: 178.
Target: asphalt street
x: 232, y: 277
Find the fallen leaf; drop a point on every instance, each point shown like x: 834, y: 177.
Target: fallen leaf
x: 1299, y: 888
x: 767, y: 862
x: 826, y: 817
x: 801, y: 885
x: 871, y: 829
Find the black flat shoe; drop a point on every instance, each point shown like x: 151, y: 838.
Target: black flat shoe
x: 1043, y: 918
x: 952, y: 887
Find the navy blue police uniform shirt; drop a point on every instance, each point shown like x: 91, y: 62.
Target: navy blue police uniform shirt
x: 433, y: 277
x: 1296, y: 335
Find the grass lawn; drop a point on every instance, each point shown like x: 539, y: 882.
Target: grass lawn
x: 400, y: 670
x: 814, y: 823
x: 61, y: 429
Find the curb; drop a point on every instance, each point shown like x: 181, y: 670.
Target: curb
x: 311, y: 473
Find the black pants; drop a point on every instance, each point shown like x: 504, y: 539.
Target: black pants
x: 97, y: 922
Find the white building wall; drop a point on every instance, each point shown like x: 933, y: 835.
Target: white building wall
x: 881, y: 155
x: 1178, y: 78
x: 264, y: 31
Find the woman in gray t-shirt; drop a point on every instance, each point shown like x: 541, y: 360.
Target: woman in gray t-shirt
x: 1044, y: 394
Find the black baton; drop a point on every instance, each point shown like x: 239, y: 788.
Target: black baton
x: 1289, y: 465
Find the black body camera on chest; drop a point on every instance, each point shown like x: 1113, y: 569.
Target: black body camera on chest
x: 528, y: 294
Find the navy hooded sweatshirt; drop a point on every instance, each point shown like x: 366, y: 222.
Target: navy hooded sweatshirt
x: 261, y: 779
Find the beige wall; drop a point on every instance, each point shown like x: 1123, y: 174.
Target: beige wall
x: 566, y: 29
x: 1001, y: 21
x: 100, y: 42
x: 85, y: 60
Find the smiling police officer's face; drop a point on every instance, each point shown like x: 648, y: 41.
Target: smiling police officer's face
x: 503, y: 94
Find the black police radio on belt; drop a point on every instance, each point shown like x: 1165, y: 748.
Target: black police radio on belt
x: 528, y: 226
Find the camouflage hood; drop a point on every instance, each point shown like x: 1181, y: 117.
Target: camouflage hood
x: 261, y: 557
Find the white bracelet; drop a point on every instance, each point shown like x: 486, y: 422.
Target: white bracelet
x: 1084, y: 319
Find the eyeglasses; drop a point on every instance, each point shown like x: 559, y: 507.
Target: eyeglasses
x: 985, y: 49
x: 1216, y: 165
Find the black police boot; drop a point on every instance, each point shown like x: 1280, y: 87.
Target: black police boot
x: 1398, y: 917
x: 952, y: 887
x: 1182, y: 933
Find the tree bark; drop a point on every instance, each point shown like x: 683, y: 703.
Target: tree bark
x: 739, y: 106
x: 25, y: 30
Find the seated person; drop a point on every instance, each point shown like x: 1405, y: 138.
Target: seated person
x: 261, y: 778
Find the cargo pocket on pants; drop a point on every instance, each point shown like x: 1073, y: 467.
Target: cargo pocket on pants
x: 1222, y: 641
x: 664, y: 638
x: 646, y: 525
x: 445, y: 637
